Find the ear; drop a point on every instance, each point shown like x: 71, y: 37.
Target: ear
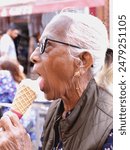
x: 87, y: 60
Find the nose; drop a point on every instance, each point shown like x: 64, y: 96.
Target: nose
x: 34, y: 58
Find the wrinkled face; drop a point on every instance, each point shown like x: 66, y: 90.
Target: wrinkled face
x: 56, y: 65
x: 14, y: 33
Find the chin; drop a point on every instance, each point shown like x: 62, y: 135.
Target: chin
x: 50, y: 97
x: 47, y: 96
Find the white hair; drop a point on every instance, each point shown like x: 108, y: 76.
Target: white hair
x: 90, y: 33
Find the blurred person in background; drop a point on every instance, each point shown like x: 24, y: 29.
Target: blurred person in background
x: 15, y: 69
x: 7, y: 46
x: 10, y: 76
x: 105, y: 76
x: 70, y: 54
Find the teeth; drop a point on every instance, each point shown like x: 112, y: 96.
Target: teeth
x: 23, y: 99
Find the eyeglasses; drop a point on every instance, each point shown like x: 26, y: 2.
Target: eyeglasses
x: 42, y: 46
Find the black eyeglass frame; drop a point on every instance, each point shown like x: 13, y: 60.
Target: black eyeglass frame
x: 43, y: 46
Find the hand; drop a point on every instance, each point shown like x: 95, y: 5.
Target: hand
x: 13, y: 135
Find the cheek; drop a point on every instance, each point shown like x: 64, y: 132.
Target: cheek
x: 63, y: 67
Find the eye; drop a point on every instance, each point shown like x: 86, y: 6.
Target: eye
x: 48, y: 46
x: 48, y: 43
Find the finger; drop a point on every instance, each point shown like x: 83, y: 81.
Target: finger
x: 6, y: 123
x: 10, y: 117
x: 14, y: 119
x: 6, y: 143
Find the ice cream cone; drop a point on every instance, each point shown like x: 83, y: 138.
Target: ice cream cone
x: 24, y: 97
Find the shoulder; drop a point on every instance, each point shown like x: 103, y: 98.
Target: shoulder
x: 51, y: 111
x: 6, y: 38
x: 105, y: 95
x: 5, y: 41
x: 105, y: 102
x: 7, y: 83
x: 6, y: 79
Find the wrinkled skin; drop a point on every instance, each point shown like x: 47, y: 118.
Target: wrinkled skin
x: 13, y: 136
x: 61, y: 76
x: 57, y: 66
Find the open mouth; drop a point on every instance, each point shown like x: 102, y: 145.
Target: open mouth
x: 41, y: 83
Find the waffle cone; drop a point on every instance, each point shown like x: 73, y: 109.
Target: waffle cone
x: 23, y: 99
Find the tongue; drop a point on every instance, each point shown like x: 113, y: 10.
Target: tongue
x: 41, y: 83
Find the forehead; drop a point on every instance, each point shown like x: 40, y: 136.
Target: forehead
x: 57, y: 28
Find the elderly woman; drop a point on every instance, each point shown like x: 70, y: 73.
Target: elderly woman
x: 70, y: 53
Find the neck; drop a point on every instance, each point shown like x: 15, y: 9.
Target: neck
x: 74, y: 93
